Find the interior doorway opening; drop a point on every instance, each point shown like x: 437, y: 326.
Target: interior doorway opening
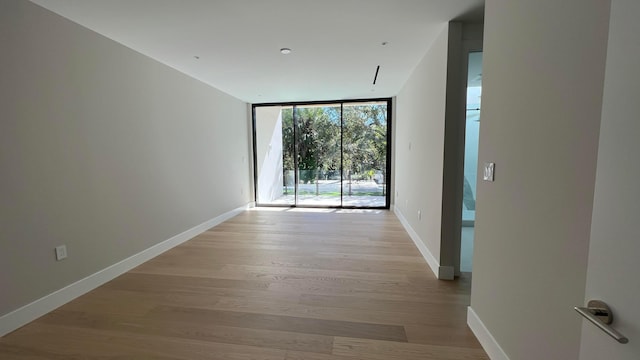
x: 472, y: 135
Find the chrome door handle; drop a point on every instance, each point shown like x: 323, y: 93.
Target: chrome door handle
x: 601, y: 316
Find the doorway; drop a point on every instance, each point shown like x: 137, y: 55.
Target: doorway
x: 322, y: 154
x: 472, y: 134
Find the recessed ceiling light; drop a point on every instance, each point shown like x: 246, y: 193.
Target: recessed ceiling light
x: 197, y: 57
x: 384, y: 43
x: 285, y: 51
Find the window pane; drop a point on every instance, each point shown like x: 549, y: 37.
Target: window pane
x: 318, y: 151
x: 365, y: 154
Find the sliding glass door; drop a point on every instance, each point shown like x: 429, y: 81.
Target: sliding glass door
x: 364, y: 135
x: 318, y: 150
x: 333, y: 154
x: 273, y: 157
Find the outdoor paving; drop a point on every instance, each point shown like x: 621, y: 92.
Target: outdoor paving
x: 333, y: 186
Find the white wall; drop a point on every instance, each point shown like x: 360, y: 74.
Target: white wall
x: 419, y: 145
x: 269, y: 153
x: 452, y: 174
x: 104, y: 150
x: 542, y: 94
x: 430, y: 116
x: 612, y: 274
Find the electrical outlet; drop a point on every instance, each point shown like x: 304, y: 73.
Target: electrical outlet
x: 61, y: 252
x: 419, y: 215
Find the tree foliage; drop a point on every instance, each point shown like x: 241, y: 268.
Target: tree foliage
x: 323, y: 150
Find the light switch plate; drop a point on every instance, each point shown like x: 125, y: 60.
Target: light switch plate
x: 61, y: 252
x: 489, y: 168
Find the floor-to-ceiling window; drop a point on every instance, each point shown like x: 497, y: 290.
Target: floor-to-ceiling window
x: 328, y: 154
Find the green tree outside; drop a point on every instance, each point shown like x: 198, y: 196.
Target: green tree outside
x: 318, y: 143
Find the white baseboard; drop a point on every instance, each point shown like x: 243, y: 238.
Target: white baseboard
x: 48, y: 303
x: 488, y: 342
x: 441, y: 272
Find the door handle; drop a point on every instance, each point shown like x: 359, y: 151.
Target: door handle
x: 599, y: 314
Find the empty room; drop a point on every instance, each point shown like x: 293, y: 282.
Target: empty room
x: 322, y: 180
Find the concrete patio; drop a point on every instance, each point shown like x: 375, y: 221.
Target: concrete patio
x: 329, y: 194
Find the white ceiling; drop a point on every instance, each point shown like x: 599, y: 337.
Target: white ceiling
x: 337, y: 44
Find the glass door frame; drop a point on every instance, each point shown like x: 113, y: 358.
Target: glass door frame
x: 341, y: 103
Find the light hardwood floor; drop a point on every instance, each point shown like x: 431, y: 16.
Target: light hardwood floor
x: 268, y: 284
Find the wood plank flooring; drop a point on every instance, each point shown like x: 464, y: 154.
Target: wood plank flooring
x: 268, y: 284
